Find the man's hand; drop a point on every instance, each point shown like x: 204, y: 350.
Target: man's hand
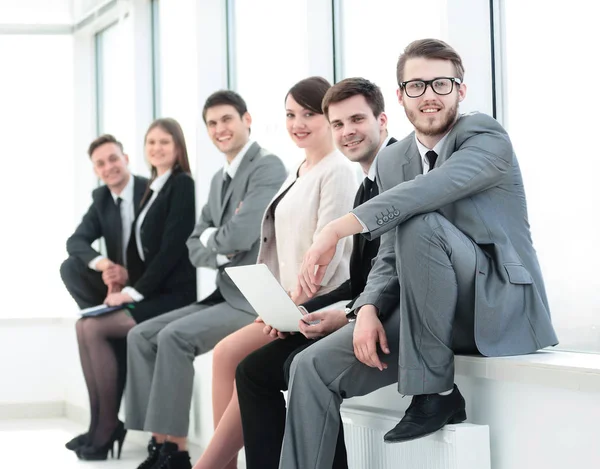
x: 104, y: 264
x: 329, y: 321
x: 367, y: 332
x: 115, y: 274
x: 320, y: 254
x: 115, y: 288
x: 116, y: 299
x: 316, y: 260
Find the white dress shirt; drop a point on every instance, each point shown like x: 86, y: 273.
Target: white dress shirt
x: 231, y: 169
x: 127, y: 217
x: 155, y: 187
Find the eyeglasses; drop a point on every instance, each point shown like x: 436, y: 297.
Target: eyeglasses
x: 440, y: 85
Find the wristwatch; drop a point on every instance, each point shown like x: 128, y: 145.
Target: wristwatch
x: 350, y: 314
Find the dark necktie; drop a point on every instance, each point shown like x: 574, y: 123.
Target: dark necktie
x: 431, y: 158
x: 226, y: 182
x: 370, y: 190
x: 119, y: 229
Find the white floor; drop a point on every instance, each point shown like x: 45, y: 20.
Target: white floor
x: 31, y: 444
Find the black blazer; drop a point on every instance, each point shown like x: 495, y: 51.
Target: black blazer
x: 97, y: 223
x: 361, y: 260
x: 164, y: 231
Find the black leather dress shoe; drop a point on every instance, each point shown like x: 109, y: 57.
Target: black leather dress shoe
x: 171, y: 458
x: 426, y: 414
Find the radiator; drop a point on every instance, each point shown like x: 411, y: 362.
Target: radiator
x: 463, y: 446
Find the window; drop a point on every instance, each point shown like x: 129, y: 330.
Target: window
x: 36, y: 118
x: 369, y: 41
x: 267, y: 61
x: 553, y: 125
x: 115, y: 89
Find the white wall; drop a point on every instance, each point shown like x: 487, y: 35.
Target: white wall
x: 35, y: 12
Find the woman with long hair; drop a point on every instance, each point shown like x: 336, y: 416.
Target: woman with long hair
x: 321, y: 188
x: 158, y: 278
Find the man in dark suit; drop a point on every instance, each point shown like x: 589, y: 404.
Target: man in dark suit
x: 456, y: 271
x: 355, y: 110
x: 161, y: 351
x: 89, y: 275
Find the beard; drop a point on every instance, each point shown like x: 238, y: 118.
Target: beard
x: 427, y: 128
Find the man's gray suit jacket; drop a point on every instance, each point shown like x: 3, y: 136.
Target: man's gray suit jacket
x: 237, y: 219
x: 477, y: 186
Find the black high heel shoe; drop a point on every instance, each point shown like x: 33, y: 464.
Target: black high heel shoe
x: 78, y: 442
x: 92, y: 453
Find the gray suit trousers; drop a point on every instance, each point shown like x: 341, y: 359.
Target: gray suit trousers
x: 160, y: 354
x: 322, y: 376
x: 436, y: 265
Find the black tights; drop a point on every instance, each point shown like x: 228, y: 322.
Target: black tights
x: 96, y: 337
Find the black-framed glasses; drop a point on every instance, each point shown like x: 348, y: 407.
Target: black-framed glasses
x: 440, y: 85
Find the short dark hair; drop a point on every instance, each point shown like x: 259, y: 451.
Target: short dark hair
x: 429, y: 49
x: 309, y: 93
x: 352, y: 87
x: 106, y: 138
x: 225, y: 97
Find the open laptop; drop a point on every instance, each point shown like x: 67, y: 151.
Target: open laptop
x: 266, y: 295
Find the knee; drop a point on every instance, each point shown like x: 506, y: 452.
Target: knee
x: 247, y: 369
x: 224, y: 353
x: 418, y: 226
x: 79, y: 326
x: 70, y: 267
x: 135, y: 339
x: 306, y: 362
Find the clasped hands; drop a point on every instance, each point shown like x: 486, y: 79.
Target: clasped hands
x: 115, y: 277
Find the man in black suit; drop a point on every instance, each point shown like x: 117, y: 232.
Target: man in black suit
x: 355, y: 110
x: 88, y: 275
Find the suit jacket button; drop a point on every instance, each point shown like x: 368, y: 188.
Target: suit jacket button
x: 380, y: 222
x: 396, y: 213
x: 385, y: 218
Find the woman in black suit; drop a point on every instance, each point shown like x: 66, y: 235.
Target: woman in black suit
x: 159, y: 278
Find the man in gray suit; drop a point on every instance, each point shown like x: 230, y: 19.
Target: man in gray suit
x: 161, y: 351
x: 456, y: 270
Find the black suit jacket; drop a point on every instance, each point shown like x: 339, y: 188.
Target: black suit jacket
x: 164, y: 231
x: 98, y: 223
x: 361, y: 260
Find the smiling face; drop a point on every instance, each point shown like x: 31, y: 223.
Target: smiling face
x: 227, y: 129
x: 357, y: 133
x: 160, y: 149
x: 306, y: 128
x: 431, y: 114
x: 110, y: 165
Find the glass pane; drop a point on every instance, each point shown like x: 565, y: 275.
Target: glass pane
x: 554, y: 130
x: 370, y: 43
x: 37, y: 190
x: 115, y: 62
x: 268, y: 62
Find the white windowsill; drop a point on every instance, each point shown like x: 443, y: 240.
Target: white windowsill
x: 559, y: 369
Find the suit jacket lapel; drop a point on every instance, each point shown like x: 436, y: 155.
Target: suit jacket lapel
x: 240, y: 175
x: 411, y: 166
x: 139, y: 189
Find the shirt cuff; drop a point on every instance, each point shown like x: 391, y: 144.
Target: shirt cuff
x: 365, y: 229
x: 133, y: 293
x: 222, y: 260
x: 206, y: 234
x: 93, y: 264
